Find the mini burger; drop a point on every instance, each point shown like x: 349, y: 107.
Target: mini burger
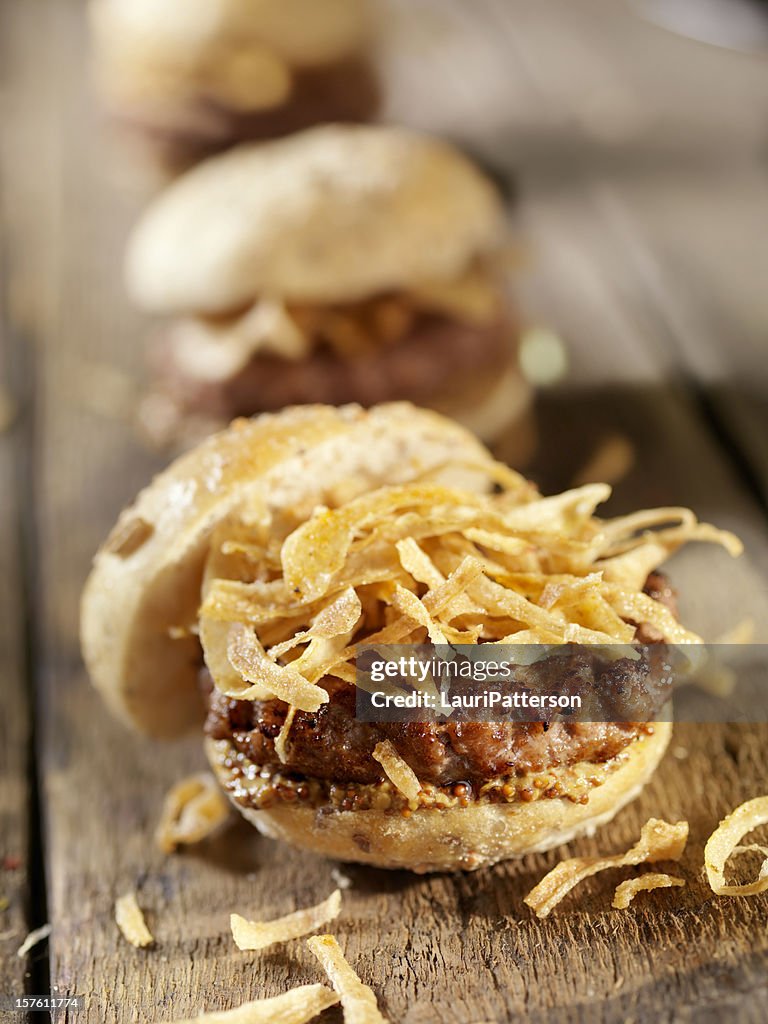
x: 192, y: 76
x: 238, y: 586
x: 345, y: 264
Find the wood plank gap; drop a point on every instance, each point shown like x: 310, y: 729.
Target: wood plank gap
x: 18, y: 540
x: 39, y: 980
x: 617, y: 218
x: 729, y: 440
x: 21, y: 357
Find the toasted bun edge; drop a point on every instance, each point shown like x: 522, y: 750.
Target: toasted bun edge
x: 143, y: 592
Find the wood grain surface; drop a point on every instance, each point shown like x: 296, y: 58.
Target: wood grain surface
x: 15, y: 788
x: 636, y: 177
x: 22, y: 893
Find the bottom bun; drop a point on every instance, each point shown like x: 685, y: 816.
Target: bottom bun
x: 452, y: 838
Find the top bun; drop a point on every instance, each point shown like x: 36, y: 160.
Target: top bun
x: 301, y: 32
x: 333, y: 214
x: 145, y: 587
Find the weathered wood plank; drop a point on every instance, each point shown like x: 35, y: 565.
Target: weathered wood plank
x: 569, y: 87
x: 436, y: 949
x: 18, y: 905
x: 15, y: 794
x: 704, y: 266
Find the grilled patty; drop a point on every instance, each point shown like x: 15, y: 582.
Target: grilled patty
x: 333, y: 744
x: 438, y: 356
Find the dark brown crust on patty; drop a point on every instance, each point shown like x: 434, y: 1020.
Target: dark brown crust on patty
x: 659, y: 588
x: 333, y: 745
x: 438, y: 357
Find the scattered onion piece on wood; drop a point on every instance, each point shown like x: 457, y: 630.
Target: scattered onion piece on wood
x: 726, y: 839
x: 343, y: 881
x: 659, y: 840
x: 252, y: 935
x: 627, y: 890
x: 193, y: 809
x: 296, y: 1006
x: 357, y: 999
x: 751, y: 848
x: 32, y: 939
x: 130, y: 921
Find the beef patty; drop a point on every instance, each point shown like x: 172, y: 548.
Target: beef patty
x: 332, y: 744
x: 437, y: 356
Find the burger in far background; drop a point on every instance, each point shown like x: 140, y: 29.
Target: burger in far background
x: 343, y: 264
x: 192, y: 76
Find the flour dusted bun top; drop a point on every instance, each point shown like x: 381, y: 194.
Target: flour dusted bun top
x: 333, y: 214
x: 145, y: 587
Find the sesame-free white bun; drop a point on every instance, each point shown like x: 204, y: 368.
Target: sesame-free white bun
x: 454, y: 838
x: 333, y: 214
x: 144, y: 589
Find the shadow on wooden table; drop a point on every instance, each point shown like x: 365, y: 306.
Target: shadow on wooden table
x: 647, y: 442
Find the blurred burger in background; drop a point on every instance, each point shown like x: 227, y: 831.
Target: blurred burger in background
x: 193, y: 76
x: 343, y: 264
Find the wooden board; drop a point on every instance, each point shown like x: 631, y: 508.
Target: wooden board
x: 15, y: 789
x: 443, y: 949
x: 695, y: 251
x: 22, y: 900
x: 669, y: 152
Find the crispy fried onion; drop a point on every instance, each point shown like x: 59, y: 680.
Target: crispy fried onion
x: 33, y: 938
x: 725, y: 841
x: 659, y: 840
x: 296, y: 1006
x: 357, y: 1000
x: 630, y: 887
x: 249, y: 658
x: 252, y: 935
x: 285, y: 603
x: 130, y: 920
x: 398, y: 771
x: 193, y: 809
x: 218, y: 347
